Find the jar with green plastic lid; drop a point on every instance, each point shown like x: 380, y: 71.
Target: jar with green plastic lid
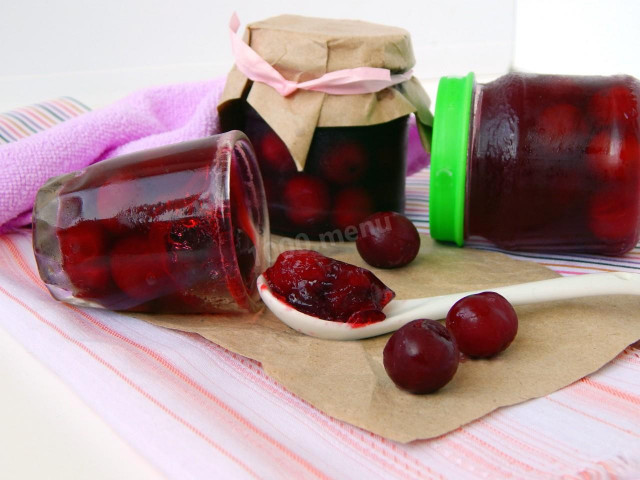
x: 537, y: 162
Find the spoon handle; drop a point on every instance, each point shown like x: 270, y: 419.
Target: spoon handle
x: 589, y: 285
x: 616, y: 283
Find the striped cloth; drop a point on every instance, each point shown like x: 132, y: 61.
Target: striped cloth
x: 196, y: 410
x: 25, y: 121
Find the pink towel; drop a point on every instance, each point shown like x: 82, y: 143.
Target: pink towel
x: 149, y: 118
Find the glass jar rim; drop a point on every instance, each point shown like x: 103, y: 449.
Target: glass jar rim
x: 238, y: 157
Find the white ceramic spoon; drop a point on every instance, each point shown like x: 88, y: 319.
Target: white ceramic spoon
x: 400, y: 312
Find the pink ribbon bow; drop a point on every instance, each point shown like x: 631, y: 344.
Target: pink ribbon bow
x: 349, y: 81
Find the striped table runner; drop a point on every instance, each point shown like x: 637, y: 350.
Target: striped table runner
x: 196, y: 410
x: 25, y: 121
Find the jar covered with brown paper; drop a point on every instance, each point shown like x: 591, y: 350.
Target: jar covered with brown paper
x: 326, y: 104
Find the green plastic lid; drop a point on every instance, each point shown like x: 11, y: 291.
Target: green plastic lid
x: 449, y: 158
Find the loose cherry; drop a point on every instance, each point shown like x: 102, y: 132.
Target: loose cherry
x: 421, y: 357
x: 483, y: 324
x: 388, y: 240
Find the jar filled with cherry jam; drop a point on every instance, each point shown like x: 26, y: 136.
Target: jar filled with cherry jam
x: 350, y: 173
x: 538, y: 162
x: 181, y: 228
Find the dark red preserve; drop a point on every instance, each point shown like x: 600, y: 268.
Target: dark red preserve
x: 350, y: 173
x: 538, y: 162
x: 327, y: 288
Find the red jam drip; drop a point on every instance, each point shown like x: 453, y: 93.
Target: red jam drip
x: 328, y: 289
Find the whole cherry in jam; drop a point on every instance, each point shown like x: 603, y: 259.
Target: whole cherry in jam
x: 350, y: 207
x: 83, y: 248
x: 81, y: 242
x: 559, y: 127
x: 613, y: 218
x: 344, y: 164
x: 483, y: 324
x: 90, y: 278
x: 613, y: 157
x: 327, y: 288
x: 614, y: 103
x: 274, y: 154
x: 306, y: 199
x: 421, y: 357
x: 140, y: 267
x: 388, y: 240
x: 603, y: 157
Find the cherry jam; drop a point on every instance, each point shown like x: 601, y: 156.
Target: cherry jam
x: 181, y: 228
x: 350, y: 173
x: 327, y: 288
x: 553, y: 164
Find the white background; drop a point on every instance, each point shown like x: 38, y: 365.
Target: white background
x: 104, y: 49
x: 100, y: 51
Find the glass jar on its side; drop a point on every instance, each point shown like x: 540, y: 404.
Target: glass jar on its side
x: 538, y: 162
x: 181, y: 228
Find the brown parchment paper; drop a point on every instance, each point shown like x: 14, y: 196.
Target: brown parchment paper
x: 304, y: 48
x: 557, y: 344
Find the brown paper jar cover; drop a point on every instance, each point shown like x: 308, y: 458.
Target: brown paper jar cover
x: 304, y: 48
x: 327, y: 161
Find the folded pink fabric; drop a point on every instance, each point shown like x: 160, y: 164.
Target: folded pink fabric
x: 149, y: 118
x: 153, y: 117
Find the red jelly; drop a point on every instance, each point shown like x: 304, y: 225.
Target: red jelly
x: 538, y: 163
x: 327, y: 288
x: 368, y: 162
x: 181, y: 228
